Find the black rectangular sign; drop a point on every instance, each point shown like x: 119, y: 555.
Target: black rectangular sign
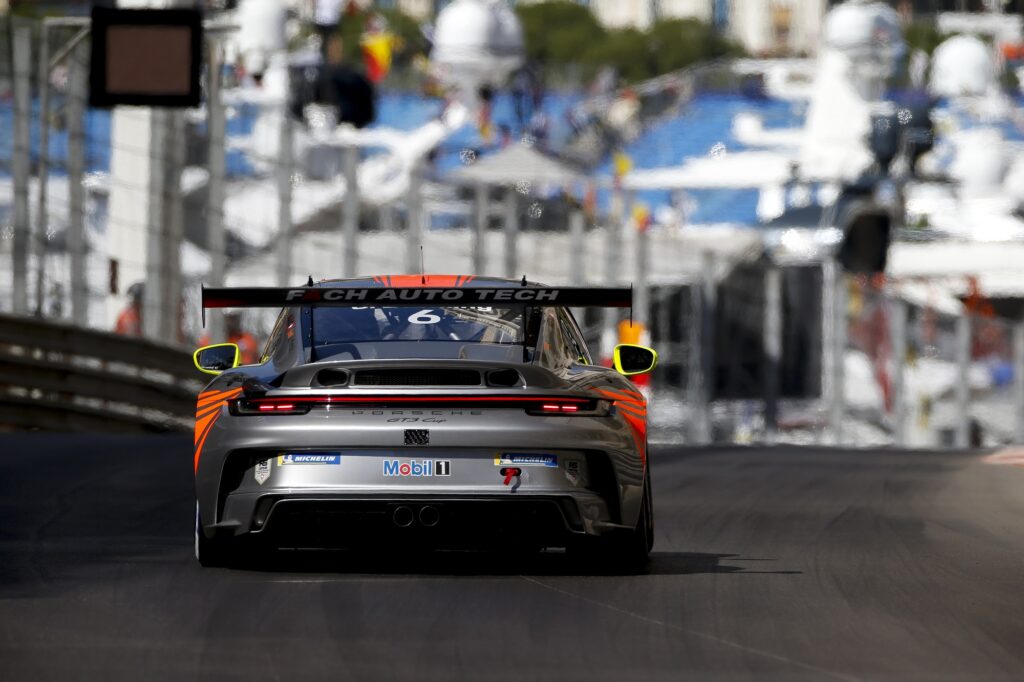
x: 145, y: 57
x: 466, y: 297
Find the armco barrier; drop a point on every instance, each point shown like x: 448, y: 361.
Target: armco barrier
x: 58, y: 377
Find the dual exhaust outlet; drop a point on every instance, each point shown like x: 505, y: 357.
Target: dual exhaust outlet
x: 404, y: 516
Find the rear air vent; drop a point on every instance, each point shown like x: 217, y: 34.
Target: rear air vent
x: 417, y: 377
x: 504, y: 378
x: 331, y: 377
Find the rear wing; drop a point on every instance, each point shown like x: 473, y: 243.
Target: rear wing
x: 463, y: 297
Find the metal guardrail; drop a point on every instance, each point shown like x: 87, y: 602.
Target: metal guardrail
x: 59, y: 377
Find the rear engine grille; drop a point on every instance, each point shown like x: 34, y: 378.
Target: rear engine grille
x: 417, y: 377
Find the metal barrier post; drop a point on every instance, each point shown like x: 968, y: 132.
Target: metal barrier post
x: 511, y: 233
x: 480, y: 214
x: 22, y: 53
x: 1018, y: 382
x: 350, y: 212
x: 898, y: 334
x: 577, y: 247
x: 216, y: 238
x: 642, y: 294
x: 414, y: 226
x: 772, y: 349
x: 43, y: 170
x: 702, y: 377
x: 837, y: 373
x: 962, y: 388
x: 284, y: 197
x: 77, y: 246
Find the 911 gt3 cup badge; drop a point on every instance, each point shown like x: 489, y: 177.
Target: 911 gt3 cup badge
x: 525, y: 460
x: 262, y: 471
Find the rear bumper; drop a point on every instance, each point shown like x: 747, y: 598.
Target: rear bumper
x: 599, y: 472
x: 331, y: 520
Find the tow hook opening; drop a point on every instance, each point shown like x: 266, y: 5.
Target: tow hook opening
x: 403, y: 517
x: 429, y: 516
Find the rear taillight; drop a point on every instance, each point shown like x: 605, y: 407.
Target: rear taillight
x: 269, y: 406
x: 571, y: 408
x: 301, y: 404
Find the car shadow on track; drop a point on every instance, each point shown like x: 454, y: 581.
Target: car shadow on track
x: 477, y: 563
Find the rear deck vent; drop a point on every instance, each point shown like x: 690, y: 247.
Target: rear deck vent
x: 417, y: 377
x: 332, y: 377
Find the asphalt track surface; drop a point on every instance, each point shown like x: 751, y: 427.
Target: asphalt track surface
x: 782, y: 563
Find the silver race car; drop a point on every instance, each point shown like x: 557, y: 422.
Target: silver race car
x: 451, y: 411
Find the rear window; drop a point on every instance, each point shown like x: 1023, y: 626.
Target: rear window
x: 461, y: 325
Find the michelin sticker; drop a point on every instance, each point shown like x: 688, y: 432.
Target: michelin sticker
x: 525, y: 460
x: 307, y: 458
x: 262, y: 471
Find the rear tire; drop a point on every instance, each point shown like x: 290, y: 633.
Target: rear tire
x: 209, y: 552
x: 626, y: 551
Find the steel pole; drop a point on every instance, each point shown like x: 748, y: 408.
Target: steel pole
x: 173, y: 228
x: 155, y: 271
x: 480, y: 214
x: 414, y: 227
x: 772, y: 349
x: 837, y: 406
x: 612, y: 255
x: 22, y: 54
x: 350, y: 212
x: 216, y: 237
x: 284, y: 198
x: 962, y: 390
x: 1018, y: 382
x: 577, y: 247
x: 898, y: 334
x: 43, y: 171
x: 641, y: 292
x: 511, y: 233
x: 77, y: 246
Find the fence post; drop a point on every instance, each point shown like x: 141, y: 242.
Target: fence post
x: 22, y: 53
x: 43, y: 170
x: 836, y: 311
x: 480, y: 220
x: 511, y: 232
x: 77, y: 246
x: 612, y: 255
x: 963, y: 389
x: 772, y: 349
x: 898, y: 336
x: 414, y: 226
x: 702, y: 364
x: 577, y: 247
x: 350, y: 212
x: 284, y: 196
x: 642, y: 294
x: 216, y: 239
x: 1018, y: 382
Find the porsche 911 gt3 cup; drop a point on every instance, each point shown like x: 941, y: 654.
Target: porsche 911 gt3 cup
x: 451, y: 411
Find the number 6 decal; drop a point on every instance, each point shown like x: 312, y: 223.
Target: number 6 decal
x: 424, y: 317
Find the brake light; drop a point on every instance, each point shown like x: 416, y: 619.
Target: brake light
x: 268, y: 406
x: 557, y: 407
x: 571, y: 406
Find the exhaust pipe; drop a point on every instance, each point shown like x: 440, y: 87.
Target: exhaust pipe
x: 429, y: 516
x: 403, y: 517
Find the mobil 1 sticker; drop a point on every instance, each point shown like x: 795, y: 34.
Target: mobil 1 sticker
x: 417, y: 468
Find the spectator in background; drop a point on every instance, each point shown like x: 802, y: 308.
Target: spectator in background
x: 248, y: 347
x: 129, y: 322
x: 326, y: 20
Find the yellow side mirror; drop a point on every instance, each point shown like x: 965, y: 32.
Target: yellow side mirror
x: 217, y: 358
x: 630, y: 359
